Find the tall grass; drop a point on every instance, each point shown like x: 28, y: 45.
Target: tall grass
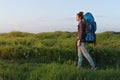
x: 59, y: 47
x: 53, y: 56
x: 55, y: 71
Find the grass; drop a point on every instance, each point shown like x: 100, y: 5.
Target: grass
x: 55, y: 71
x: 52, y: 56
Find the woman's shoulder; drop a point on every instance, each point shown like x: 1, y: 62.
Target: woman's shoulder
x: 82, y: 22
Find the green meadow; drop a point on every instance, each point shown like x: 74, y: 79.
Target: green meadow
x: 53, y: 56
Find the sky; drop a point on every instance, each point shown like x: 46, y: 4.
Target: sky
x: 36, y: 16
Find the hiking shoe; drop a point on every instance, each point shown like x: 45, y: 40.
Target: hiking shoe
x: 94, y: 68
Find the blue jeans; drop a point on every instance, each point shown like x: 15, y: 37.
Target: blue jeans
x: 82, y: 51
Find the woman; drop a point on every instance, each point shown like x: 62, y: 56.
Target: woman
x: 82, y: 51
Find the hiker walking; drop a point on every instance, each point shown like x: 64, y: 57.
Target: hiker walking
x: 81, y: 41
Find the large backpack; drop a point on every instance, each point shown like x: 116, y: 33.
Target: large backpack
x: 91, y: 28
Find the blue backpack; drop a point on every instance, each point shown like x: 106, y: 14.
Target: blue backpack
x: 91, y: 28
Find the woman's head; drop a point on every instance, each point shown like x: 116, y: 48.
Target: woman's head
x: 79, y: 16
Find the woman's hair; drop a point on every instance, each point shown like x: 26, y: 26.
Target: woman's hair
x: 80, y: 15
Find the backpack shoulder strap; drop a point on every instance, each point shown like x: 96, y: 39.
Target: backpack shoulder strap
x: 86, y: 25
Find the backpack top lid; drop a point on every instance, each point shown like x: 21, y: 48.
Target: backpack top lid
x: 89, y: 17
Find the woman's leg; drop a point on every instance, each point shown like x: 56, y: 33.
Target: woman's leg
x: 80, y: 56
x: 86, y: 54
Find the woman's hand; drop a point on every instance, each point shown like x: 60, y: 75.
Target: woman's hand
x: 78, y: 43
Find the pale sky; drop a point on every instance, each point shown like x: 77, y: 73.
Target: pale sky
x: 37, y: 16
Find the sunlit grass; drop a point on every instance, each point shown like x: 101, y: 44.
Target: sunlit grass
x: 53, y: 56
